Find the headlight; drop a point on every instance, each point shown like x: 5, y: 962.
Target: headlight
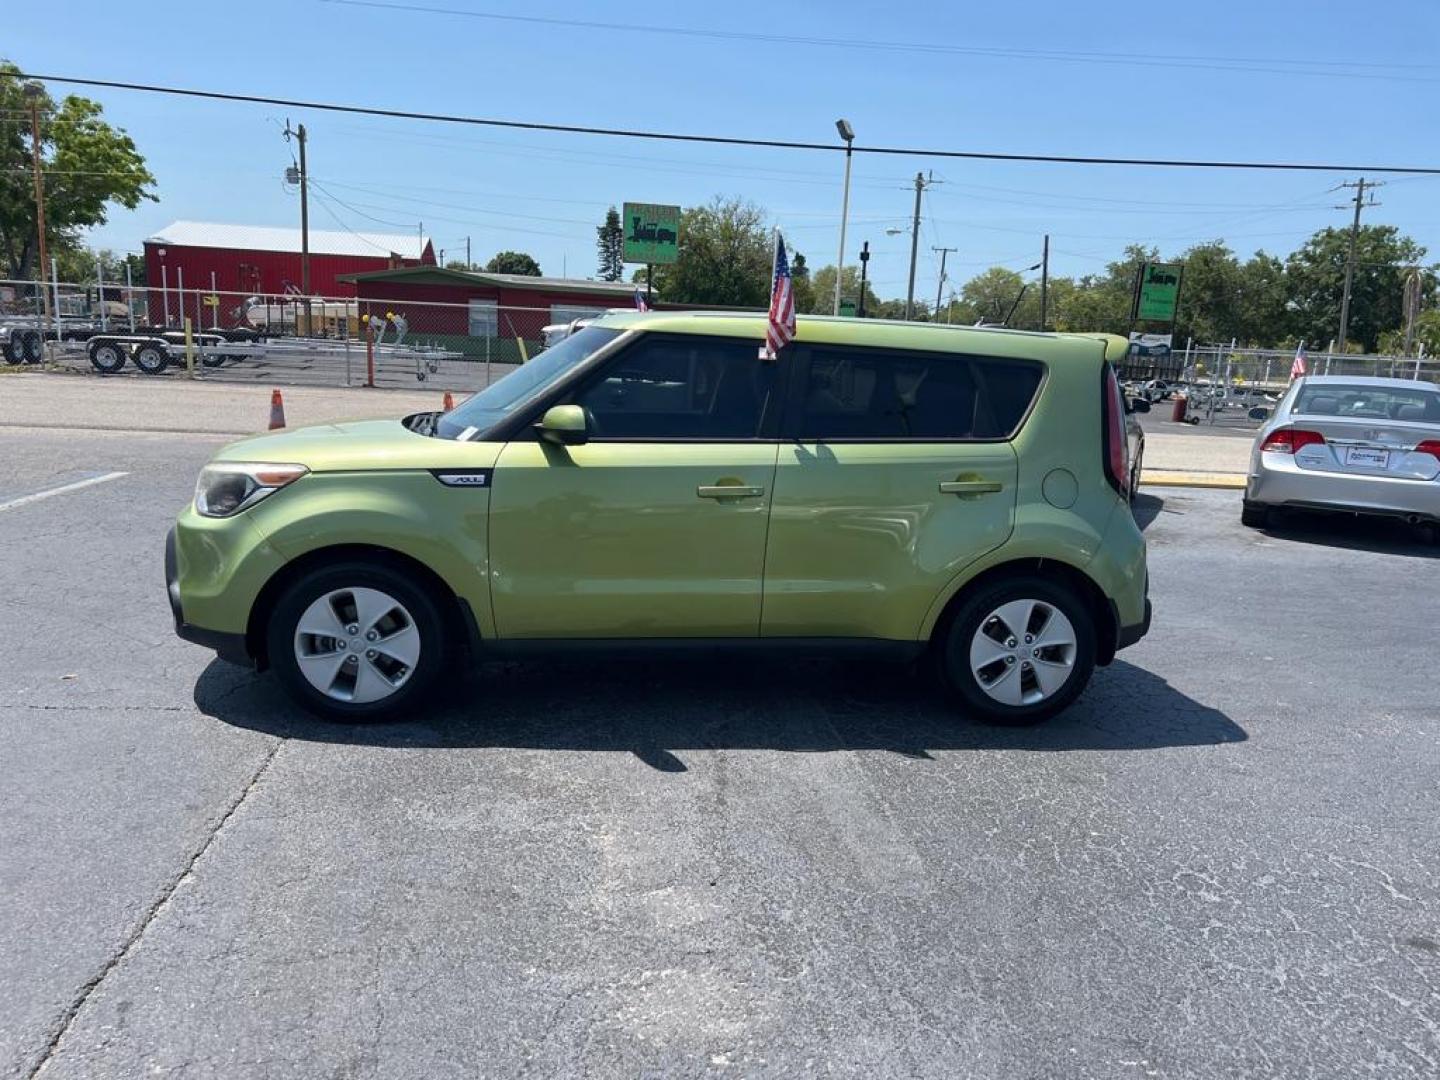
x: 226, y: 488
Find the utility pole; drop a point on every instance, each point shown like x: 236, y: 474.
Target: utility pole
x: 920, y: 183
x: 1044, y: 280
x: 33, y: 91
x: 864, y: 265
x: 468, y: 264
x: 299, y: 134
x: 940, y: 286
x: 1359, y: 201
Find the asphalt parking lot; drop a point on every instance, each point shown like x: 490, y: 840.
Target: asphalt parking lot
x: 1223, y: 862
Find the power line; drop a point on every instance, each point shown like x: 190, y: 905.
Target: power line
x: 725, y: 140
x: 1268, y: 65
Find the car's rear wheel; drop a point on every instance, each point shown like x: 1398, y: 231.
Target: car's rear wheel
x: 1018, y: 651
x: 357, y: 642
x: 1253, y: 516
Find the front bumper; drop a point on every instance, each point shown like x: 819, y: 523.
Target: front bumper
x: 1281, y: 482
x: 227, y: 646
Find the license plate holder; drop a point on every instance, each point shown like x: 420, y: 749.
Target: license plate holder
x: 1367, y: 457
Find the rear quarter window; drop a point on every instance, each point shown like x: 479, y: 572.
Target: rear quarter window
x: 879, y: 395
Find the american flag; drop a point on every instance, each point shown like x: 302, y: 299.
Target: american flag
x: 1298, y: 368
x: 640, y: 303
x: 780, y: 329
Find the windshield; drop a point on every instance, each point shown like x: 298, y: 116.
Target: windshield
x: 502, y: 397
x: 1369, y: 402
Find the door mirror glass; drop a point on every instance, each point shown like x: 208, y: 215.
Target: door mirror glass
x: 1259, y: 413
x: 564, y: 425
x: 1139, y: 404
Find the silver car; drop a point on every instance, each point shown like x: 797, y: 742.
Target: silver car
x: 1356, y: 445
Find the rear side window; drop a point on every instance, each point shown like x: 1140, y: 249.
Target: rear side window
x: 916, y: 397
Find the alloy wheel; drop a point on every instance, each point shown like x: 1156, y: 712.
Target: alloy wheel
x: 357, y: 645
x: 1023, y: 652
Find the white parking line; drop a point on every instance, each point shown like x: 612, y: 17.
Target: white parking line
x: 25, y: 500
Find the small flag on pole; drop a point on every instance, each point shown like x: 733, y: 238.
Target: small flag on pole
x: 640, y: 303
x: 780, y: 328
x: 1298, y: 368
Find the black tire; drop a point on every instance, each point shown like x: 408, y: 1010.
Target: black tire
x: 13, y: 349
x: 424, y: 608
x: 34, y: 346
x: 213, y: 360
x: 1254, y: 516
x: 152, y: 359
x: 955, y: 642
x: 1135, y: 476
x: 107, y: 355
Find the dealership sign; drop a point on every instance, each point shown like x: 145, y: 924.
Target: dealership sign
x: 1157, y: 292
x: 652, y: 233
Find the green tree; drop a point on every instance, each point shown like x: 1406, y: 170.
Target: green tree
x: 1210, y: 302
x: 87, y: 164
x: 1101, y: 303
x: 610, y: 243
x: 513, y: 262
x: 997, y: 296
x: 1264, y: 314
x: 801, y: 284
x: 1315, y: 280
x: 77, y: 264
x: 895, y: 309
x: 456, y: 264
x: 725, y: 257
x: 823, y: 300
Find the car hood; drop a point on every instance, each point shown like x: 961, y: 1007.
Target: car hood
x: 360, y: 446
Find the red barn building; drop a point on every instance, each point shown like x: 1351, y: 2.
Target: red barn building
x: 474, y: 304
x: 255, y: 260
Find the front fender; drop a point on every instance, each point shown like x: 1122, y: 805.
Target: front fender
x: 409, y: 512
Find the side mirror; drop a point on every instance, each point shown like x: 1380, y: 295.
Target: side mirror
x: 564, y: 425
x: 1140, y: 404
x: 1259, y: 413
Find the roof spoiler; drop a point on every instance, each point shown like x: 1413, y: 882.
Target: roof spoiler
x: 1116, y: 347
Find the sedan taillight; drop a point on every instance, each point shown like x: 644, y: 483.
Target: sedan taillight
x: 1290, y: 440
x: 1431, y: 447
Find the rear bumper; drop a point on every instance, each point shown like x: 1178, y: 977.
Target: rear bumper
x: 227, y: 646
x: 1283, y: 483
x: 1129, y: 635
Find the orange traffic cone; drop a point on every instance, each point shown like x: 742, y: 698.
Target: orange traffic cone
x: 449, y: 402
x: 277, y: 410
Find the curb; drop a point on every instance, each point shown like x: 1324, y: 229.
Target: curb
x: 1158, y: 478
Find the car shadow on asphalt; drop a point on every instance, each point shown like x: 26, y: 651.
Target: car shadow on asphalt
x: 1383, y: 536
x: 660, y: 706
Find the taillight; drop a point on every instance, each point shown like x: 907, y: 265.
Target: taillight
x: 1290, y: 440
x: 1116, y: 450
x: 1429, y: 446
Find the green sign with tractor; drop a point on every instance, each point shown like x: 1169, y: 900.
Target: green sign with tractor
x: 652, y: 233
x: 1157, y: 292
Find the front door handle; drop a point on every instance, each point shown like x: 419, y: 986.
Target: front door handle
x: 729, y: 491
x: 969, y: 487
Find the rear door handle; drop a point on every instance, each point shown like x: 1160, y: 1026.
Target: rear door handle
x: 729, y: 491
x: 969, y: 487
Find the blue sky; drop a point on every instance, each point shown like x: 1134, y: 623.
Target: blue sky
x: 1274, y: 79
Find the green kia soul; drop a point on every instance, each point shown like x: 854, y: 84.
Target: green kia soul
x: 651, y: 481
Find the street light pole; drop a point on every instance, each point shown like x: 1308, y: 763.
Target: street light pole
x: 34, y: 91
x: 848, y: 134
x: 864, y: 265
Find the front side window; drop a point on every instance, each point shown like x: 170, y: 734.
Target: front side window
x: 501, y: 398
x: 873, y: 394
x: 681, y: 387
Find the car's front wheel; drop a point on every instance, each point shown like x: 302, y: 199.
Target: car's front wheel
x: 357, y: 642
x: 1019, y: 651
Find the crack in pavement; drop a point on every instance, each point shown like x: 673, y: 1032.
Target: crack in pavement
x: 152, y: 913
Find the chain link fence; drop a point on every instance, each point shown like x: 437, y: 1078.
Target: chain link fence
x: 119, y: 330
